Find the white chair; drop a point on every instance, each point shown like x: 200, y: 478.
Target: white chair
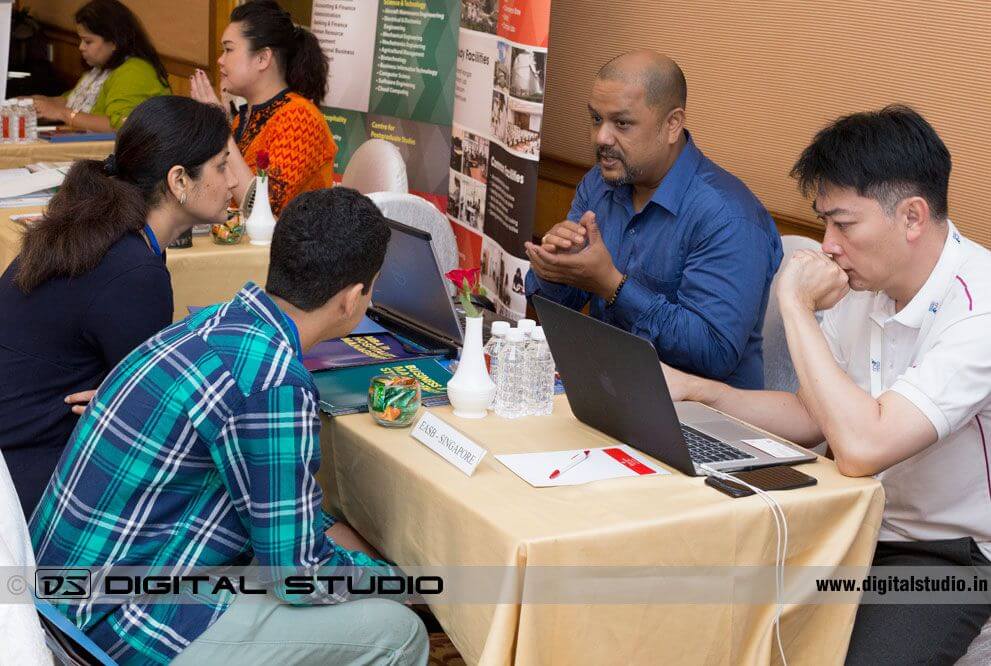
x: 419, y: 213
x: 24, y: 639
x: 377, y: 166
x: 779, y: 374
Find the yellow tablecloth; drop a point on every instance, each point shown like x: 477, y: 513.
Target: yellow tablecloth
x: 208, y: 273
x: 13, y: 155
x: 421, y: 511
x: 201, y: 275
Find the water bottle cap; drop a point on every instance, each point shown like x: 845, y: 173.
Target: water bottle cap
x: 500, y: 327
x: 538, y: 333
x: 514, y: 335
x: 526, y: 325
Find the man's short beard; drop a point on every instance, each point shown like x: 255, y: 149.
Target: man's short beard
x: 630, y: 174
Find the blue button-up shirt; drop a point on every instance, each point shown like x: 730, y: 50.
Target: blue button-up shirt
x: 699, y: 259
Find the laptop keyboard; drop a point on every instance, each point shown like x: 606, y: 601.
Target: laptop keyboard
x: 705, y: 449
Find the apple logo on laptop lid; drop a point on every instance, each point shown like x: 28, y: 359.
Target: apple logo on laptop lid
x: 607, y: 385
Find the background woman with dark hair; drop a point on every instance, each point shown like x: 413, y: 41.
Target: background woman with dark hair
x: 90, y: 283
x: 279, y: 69
x: 125, y: 70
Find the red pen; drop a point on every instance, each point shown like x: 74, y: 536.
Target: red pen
x: 575, y: 460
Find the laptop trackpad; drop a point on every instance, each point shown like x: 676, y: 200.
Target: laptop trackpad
x: 727, y: 431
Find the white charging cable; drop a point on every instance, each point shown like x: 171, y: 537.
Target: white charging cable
x: 780, y: 550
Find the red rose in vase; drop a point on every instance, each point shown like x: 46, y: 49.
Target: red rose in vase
x: 468, y: 282
x: 261, y: 163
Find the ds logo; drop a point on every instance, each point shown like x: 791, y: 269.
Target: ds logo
x: 62, y: 583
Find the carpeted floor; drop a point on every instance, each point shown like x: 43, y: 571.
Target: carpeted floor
x: 443, y: 652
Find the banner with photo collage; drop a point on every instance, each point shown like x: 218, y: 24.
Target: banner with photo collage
x: 498, y: 108
x: 409, y: 72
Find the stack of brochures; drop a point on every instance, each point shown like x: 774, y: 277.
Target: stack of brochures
x: 343, y: 367
x: 71, y: 136
x: 345, y: 390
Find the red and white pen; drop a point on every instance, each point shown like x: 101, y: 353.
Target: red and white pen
x: 576, y: 459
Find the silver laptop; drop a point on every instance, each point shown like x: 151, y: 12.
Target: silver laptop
x: 411, y: 292
x: 614, y: 383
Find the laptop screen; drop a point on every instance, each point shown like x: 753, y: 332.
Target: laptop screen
x: 410, y: 285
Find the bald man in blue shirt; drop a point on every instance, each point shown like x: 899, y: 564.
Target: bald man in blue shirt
x: 661, y: 241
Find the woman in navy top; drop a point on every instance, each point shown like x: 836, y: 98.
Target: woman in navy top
x: 90, y: 283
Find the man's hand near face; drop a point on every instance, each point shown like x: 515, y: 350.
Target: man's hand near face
x: 562, y: 258
x: 812, y: 281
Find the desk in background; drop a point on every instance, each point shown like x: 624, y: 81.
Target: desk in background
x: 420, y: 511
x: 14, y: 155
x: 204, y: 274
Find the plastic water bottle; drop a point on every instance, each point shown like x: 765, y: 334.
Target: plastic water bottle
x: 497, y: 338
x: 30, y: 119
x: 511, y: 392
x: 527, y: 326
x: 539, y: 375
x: 6, y: 126
x: 15, y: 122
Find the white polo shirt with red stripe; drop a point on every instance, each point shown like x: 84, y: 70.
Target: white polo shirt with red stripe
x: 936, y: 353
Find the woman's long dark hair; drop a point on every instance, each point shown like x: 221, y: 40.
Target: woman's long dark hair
x: 99, y: 202
x: 297, y: 52
x: 115, y: 23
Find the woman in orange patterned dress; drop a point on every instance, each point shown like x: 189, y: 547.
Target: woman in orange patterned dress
x: 279, y: 69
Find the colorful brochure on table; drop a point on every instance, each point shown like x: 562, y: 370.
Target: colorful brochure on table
x: 357, y: 350
x: 345, y: 390
x: 368, y: 344
x: 69, y: 136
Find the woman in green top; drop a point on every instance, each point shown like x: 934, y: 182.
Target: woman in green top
x: 126, y: 70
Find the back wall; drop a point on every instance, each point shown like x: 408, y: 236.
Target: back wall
x: 764, y: 75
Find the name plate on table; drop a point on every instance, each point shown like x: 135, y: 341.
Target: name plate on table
x: 448, y: 443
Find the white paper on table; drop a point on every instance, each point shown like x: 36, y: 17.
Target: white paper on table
x: 20, y: 186
x: 40, y: 199
x: 535, y: 468
x: 7, y: 174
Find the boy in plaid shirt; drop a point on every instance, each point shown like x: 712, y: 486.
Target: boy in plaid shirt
x: 201, y: 448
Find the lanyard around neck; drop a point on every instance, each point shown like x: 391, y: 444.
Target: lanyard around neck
x: 150, y: 235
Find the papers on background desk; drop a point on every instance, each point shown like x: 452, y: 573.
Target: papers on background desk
x: 20, y: 188
x: 7, y: 174
x: 62, y: 135
x: 610, y: 462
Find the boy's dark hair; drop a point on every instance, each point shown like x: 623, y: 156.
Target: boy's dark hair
x: 297, y: 51
x: 114, y: 22
x: 885, y: 155
x: 325, y: 241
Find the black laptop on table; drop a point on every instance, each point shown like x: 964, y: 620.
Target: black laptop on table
x: 411, y: 296
x: 614, y: 383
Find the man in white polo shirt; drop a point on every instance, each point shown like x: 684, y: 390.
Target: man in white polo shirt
x: 898, y: 377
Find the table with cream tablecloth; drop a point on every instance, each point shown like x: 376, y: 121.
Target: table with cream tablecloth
x: 201, y: 275
x: 422, y: 512
x: 13, y: 155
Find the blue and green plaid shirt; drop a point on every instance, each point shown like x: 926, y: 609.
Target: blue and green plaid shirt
x: 200, y: 449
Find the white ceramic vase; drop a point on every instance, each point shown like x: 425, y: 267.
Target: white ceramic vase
x: 471, y: 389
x: 260, y: 223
